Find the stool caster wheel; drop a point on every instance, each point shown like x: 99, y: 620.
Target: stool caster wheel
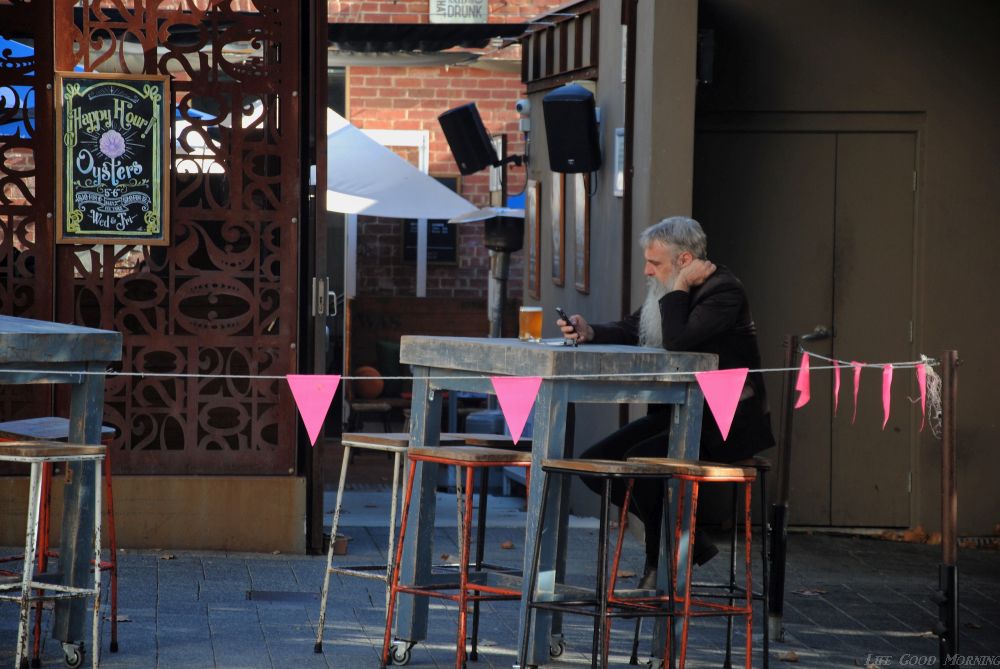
x: 399, y: 653
x: 73, y: 655
x: 557, y: 648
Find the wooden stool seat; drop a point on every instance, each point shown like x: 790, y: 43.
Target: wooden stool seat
x: 702, y: 469
x: 29, y: 451
x: 497, y: 441
x: 608, y: 468
x: 391, y: 441
x: 466, y: 455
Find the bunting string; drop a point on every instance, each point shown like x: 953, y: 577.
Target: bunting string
x: 313, y: 393
x: 110, y: 372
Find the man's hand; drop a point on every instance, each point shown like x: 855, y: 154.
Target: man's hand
x: 579, y: 330
x: 694, y: 274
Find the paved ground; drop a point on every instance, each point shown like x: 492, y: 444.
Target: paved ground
x: 850, y: 602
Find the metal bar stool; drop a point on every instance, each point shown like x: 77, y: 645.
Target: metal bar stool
x: 37, y: 454
x: 469, y: 589
x: 396, y: 444
x: 602, y: 603
x: 762, y: 466
x: 693, y: 474
x: 56, y: 428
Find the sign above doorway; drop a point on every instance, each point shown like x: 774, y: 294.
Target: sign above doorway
x: 459, y: 11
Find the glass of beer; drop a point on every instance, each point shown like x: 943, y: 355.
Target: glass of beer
x: 529, y: 324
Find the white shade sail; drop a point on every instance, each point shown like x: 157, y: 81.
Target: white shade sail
x: 364, y: 177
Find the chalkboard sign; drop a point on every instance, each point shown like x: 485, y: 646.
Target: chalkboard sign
x: 112, y: 173
x: 442, y: 241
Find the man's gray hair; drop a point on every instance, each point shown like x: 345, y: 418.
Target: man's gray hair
x: 680, y: 232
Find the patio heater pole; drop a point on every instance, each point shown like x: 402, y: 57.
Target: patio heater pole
x: 499, y: 273
x: 947, y: 594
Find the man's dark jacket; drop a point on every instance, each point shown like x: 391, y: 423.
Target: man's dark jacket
x: 712, y: 318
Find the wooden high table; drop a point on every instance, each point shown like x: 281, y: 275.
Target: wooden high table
x: 34, y: 351
x: 584, y: 374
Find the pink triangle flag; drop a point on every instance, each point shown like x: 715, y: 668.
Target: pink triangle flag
x: 313, y: 394
x: 857, y: 384
x: 802, y: 383
x: 922, y: 383
x: 886, y: 393
x: 836, y: 386
x: 722, y: 390
x: 516, y: 395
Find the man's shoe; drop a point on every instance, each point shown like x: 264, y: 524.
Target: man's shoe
x: 648, y: 580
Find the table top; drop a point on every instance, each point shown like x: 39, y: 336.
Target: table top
x: 28, y: 340
x: 511, y: 357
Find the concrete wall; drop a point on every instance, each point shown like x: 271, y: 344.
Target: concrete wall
x: 233, y: 513
x: 940, y: 60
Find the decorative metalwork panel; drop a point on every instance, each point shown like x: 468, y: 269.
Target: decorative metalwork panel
x: 25, y: 190
x: 221, y: 300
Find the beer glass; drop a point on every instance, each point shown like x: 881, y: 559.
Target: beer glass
x: 529, y: 324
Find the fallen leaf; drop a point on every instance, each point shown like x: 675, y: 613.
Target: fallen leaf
x: 916, y: 535
x: 934, y: 539
x: 168, y: 556
x: 789, y: 656
x: 810, y: 592
x: 626, y: 574
x: 967, y: 543
x: 507, y: 545
x: 445, y: 557
x: 275, y: 552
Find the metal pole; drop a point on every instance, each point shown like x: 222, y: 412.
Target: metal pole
x: 947, y: 595
x: 779, y: 510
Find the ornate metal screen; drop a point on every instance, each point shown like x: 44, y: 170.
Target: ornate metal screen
x: 25, y: 179
x: 218, y: 306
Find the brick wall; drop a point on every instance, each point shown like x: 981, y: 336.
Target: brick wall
x: 411, y: 98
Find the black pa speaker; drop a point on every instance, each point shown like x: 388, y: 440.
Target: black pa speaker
x: 471, y: 146
x: 571, y: 129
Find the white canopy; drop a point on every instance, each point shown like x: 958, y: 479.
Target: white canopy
x: 364, y: 177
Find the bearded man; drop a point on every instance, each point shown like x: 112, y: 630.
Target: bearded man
x: 691, y: 305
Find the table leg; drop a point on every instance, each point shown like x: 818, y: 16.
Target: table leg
x: 415, y: 567
x: 76, y: 545
x: 548, y: 442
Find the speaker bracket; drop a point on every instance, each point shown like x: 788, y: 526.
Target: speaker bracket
x: 517, y: 159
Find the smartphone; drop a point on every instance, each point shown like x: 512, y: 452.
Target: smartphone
x: 565, y: 317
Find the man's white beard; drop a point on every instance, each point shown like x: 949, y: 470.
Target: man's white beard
x: 650, y: 322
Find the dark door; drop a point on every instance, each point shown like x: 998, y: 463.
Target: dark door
x: 819, y: 225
